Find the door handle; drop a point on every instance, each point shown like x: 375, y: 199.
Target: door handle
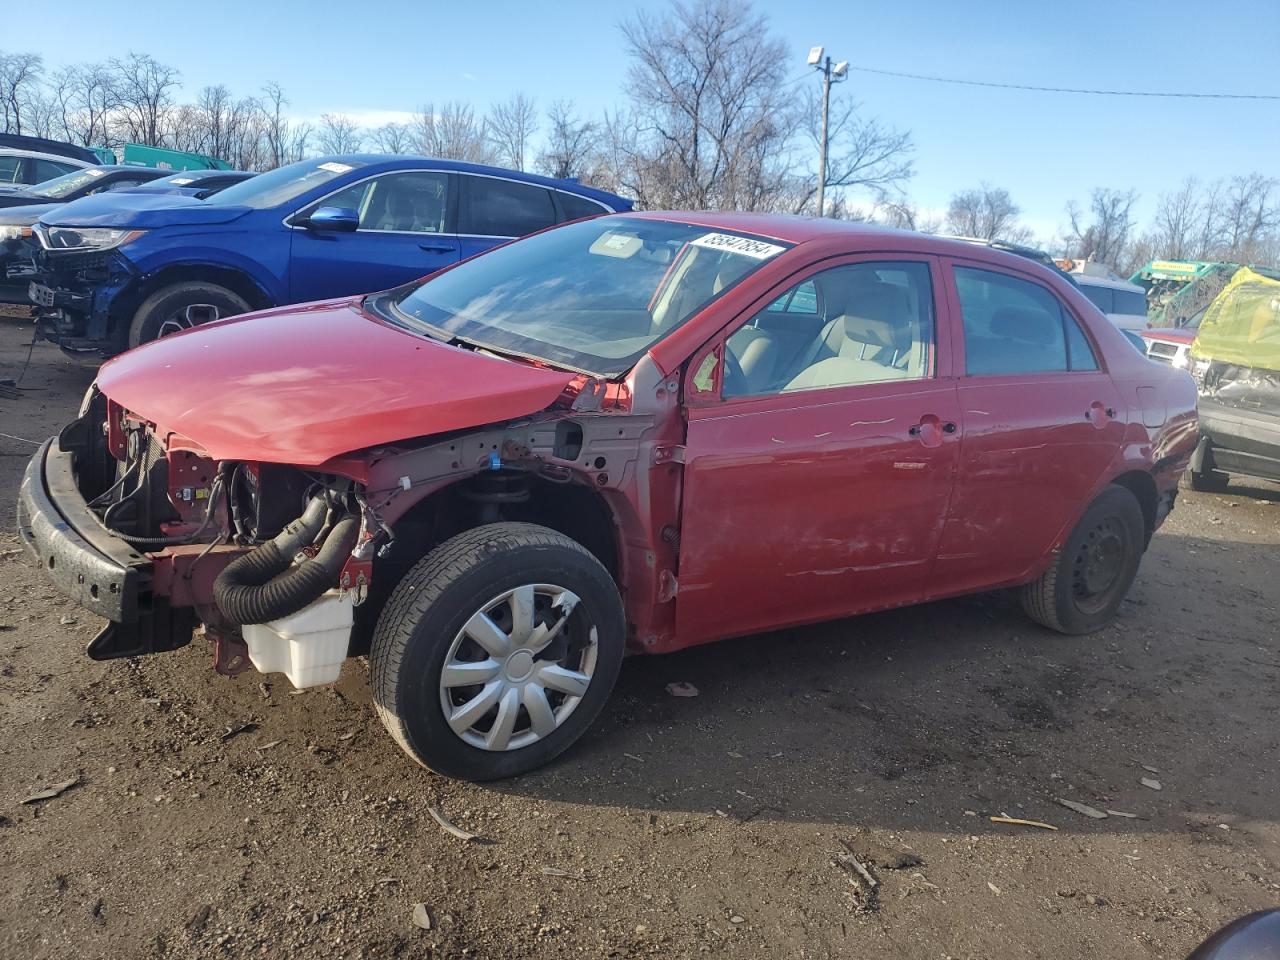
x: 932, y: 436
x: 948, y: 427
x: 1096, y: 408
x: 435, y: 247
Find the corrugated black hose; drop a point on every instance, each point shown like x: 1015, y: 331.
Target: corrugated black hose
x: 265, y: 584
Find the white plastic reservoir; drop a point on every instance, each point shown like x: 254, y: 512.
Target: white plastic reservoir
x: 309, y: 646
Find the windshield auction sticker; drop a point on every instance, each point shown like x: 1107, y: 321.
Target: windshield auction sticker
x: 756, y: 249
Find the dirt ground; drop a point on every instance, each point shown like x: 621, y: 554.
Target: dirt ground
x: 219, y: 817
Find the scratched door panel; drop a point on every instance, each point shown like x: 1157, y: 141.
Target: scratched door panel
x: 808, y: 506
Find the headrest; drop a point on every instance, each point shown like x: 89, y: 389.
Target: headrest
x: 877, y: 314
x: 1026, y: 324
x: 878, y: 333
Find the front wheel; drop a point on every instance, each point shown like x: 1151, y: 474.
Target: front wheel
x: 181, y: 306
x: 1082, y: 589
x: 497, y: 651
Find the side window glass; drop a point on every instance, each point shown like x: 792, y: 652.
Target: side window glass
x: 1101, y: 296
x: 9, y: 169
x: 414, y: 202
x: 47, y: 170
x: 857, y: 324
x: 799, y: 299
x: 350, y: 198
x: 575, y: 207
x: 1080, y: 354
x: 1010, y: 325
x: 504, y: 208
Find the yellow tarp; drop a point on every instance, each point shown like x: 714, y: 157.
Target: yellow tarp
x: 1242, y: 325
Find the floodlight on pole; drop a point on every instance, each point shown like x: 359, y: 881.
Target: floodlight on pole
x: 830, y: 74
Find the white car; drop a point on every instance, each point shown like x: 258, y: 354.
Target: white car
x: 1124, y: 303
x: 20, y: 166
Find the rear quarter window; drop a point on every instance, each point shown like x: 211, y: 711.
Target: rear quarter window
x: 504, y: 208
x: 576, y: 207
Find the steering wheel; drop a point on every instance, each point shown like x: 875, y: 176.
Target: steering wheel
x: 735, y: 380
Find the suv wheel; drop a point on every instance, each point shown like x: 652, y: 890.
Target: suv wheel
x: 497, y: 651
x: 1082, y: 590
x: 181, y: 306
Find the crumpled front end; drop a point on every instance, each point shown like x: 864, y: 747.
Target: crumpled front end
x: 73, y: 294
x: 149, y: 533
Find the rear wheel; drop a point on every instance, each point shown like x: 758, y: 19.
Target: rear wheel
x: 1082, y: 590
x: 182, y: 306
x: 497, y: 651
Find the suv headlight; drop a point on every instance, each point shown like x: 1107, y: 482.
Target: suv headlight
x: 11, y: 232
x: 84, y: 238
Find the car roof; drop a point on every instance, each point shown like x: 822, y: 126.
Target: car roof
x: 42, y: 146
x: 378, y: 162
x: 1085, y: 280
x: 42, y: 155
x: 794, y: 229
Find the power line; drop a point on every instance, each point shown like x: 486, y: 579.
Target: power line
x: 1100, y: 93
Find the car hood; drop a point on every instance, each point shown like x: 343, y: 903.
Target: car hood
x: 302, y: 385
x: 141, y: 211
x: 20, y: 198
x: 26, y: 216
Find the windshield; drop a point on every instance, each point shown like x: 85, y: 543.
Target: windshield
x: 591, y: 296
x: 282, y: 184
x: 66, y: 184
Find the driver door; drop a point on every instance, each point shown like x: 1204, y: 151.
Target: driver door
x: 818, y: 487
x: 405, y: 233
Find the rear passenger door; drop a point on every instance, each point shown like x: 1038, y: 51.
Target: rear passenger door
x: 1039, y: 426
x: 405, y: 233
x: 817, y: 471
x: 493, y: 210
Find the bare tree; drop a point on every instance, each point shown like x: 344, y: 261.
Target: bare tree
x: 986, y: 212
x: 20, y: 85
x: 861, y: 151
x: 572, y: 142
x: 1249, y: 217
x: 144, y: 89
x: 285, y: 141
x: 713, y: 117
x: 1106, y: 236
x: 510, y: 127
x: 1177, y: 218
x: 905, y: 215
x: 393, y: 138
x: 453, y: 133
x: 339, y: 134
x: 84, y: 97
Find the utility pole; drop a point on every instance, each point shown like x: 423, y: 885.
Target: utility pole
x: 830, y: 74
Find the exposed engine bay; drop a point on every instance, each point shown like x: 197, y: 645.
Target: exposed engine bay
x: 263, y: 559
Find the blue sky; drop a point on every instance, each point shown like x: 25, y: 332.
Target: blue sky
x: 370, y: 59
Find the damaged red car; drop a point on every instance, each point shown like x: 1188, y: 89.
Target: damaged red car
x: 629, y: 434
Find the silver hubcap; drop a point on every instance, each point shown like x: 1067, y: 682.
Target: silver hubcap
x: 192, y: 316
x: 518, y: 668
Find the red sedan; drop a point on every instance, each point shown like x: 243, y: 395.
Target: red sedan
x: 628, y: 434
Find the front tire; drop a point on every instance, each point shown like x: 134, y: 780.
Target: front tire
x: 181, y: 306
x: 1083, y: 588
x: 496, y: 651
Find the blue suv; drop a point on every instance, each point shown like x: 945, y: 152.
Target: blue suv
x: 114, y: 273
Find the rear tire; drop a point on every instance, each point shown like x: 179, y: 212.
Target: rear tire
x: 166, y: 310
x: 1083, y: 588
x: 486, y: 710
